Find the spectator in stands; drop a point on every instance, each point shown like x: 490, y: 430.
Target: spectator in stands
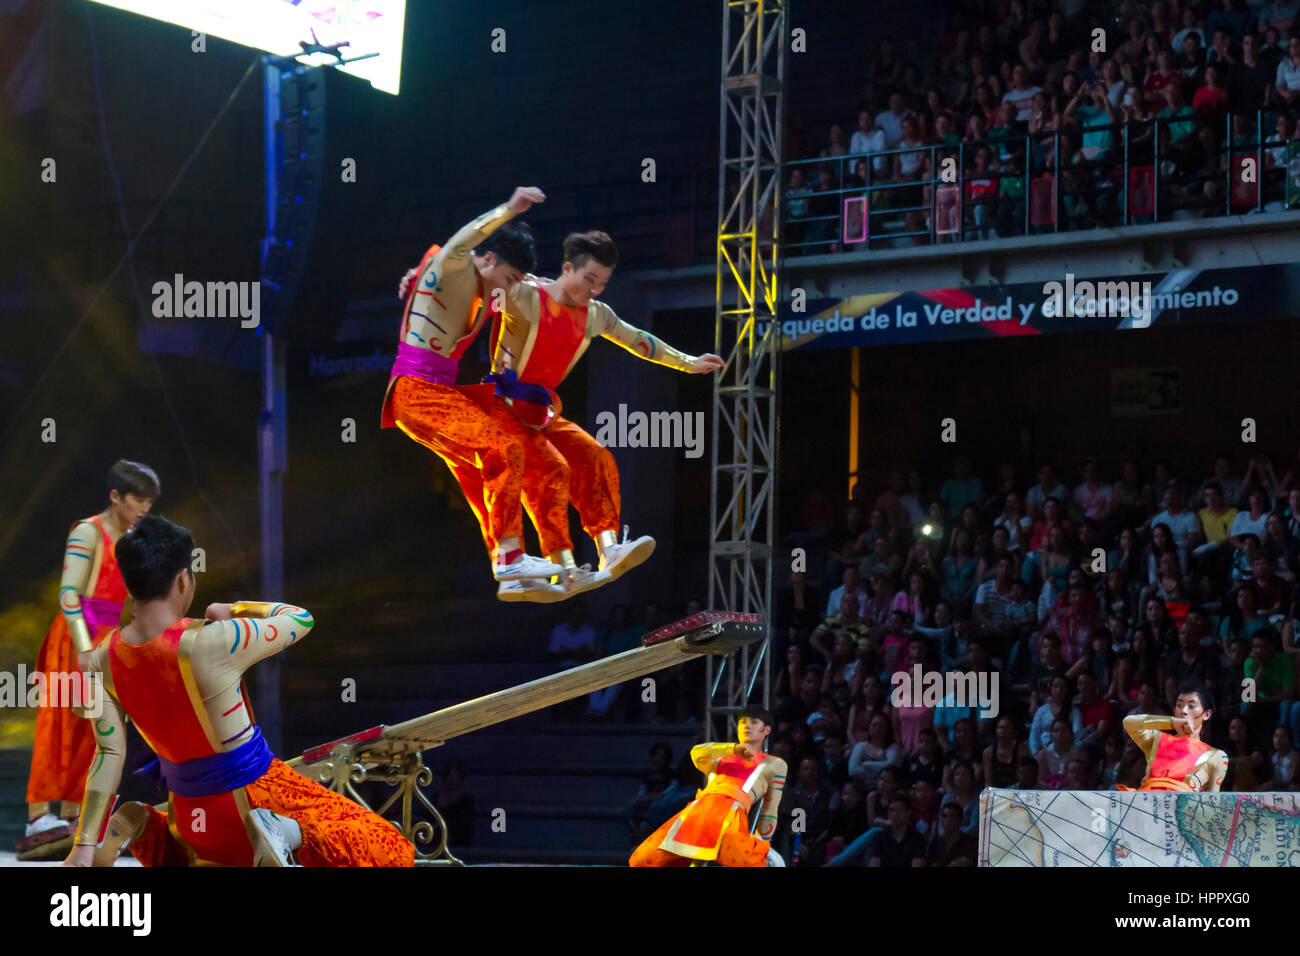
x: 573, y: 641
x: 1095, y: 714
x: 1230, y: 18
x: 1233, y: 680
x: 991, y: 602
x: 1280, y: 548
x: 654, y: 784
x: 795, y: 709
x: 618, y: 636
x: 1250, y: 86
x: 871, y: 756
x: 1284, y: 760
x: 902, y: 846
x: 1158, y: 83
x: 1212, y: 98
x: 1021, y: 93
x: 1191, y: 659
x: 848, y: 820
x: 1279, y: 16
x: 1046, y: 668
x: 1026, y: 774
x: 869, y: 139
x: 850, y: 583
x: 1075, y: 623
x: 890, y: 122
x: 1253, y: 521
x: 1220, y: 53
x: 1093, y: 111
x: 1002, y: 756
x: 1273, y: 51
x: 962, y: 488
x: 948, y: 843
x: 1053, y: 758
x: 838, y: 145
x: 1191, y: 58
x: 796, y: 204
x: 1182, y: 524
x: 1245, y: 759
x: 886, y: 71
x: 811, y: 795
x: 869, y: 701
x: 1272, y: 593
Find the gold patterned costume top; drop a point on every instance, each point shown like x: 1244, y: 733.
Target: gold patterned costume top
x: 1175, y: 762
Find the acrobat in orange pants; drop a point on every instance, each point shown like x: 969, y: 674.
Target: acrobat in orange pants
x: 562, y: 463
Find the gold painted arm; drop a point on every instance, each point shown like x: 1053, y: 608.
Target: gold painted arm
x: 1145, y: 728
x: 767, y: 816
x: 460, y: 245
x: 644, y: 345
x: 705, y: 756
x: 105, y: 772
x: 78, y: 557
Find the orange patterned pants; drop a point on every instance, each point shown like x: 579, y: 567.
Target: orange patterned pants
x: 65, y: 744
x: 335, y: 831
x: 739, y: 847
x: 444, y: 420
x: 563, y: 464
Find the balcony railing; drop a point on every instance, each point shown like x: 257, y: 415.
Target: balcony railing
x: 1124, y: 174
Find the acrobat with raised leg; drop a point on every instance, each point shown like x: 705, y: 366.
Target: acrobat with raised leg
x: 444, y: 312
x: 545, y: 327
x: 715, y: 825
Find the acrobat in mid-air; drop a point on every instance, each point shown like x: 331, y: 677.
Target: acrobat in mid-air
x: 179, y: 680
x: 91, y: 598
x: 1178, y: 761
x: 444, y: 312
x: 715, y: 825
x: 545, y: 327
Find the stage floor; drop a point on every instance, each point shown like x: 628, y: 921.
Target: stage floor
x: 9, y: 858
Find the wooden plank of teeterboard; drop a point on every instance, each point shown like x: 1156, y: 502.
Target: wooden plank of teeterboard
x: 430, y: 730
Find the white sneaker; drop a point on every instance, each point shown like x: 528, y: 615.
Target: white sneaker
x: 626, y: 555
x: 582, y: 578
x: 773, y: 858
x: 536, y: 590
x: 526, y: 566
x: 46, y: 821
x: 278, y: 837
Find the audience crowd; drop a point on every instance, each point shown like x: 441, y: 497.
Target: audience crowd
x: 1087, y: 596
x: 1030, y: 108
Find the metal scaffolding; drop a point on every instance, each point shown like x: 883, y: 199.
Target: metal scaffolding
x: 743, y: 499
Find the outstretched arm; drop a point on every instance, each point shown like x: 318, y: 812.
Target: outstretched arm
x: 646, y: 346
x: 246, y: 632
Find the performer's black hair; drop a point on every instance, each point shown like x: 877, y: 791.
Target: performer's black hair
x: 1193, y: 686
x: 151, y: 554
x: 579, y: 246
x: 758, y: 713
x: 513, y: 244
x: 134, y: 478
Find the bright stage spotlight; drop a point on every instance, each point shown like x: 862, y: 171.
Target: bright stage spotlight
x: 371, y: 28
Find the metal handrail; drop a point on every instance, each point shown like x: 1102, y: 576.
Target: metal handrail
x: 1031, y: 166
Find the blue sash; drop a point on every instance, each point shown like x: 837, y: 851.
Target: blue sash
x: 219, y: 773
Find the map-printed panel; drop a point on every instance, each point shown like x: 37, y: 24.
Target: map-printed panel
x: 1136, y: 828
